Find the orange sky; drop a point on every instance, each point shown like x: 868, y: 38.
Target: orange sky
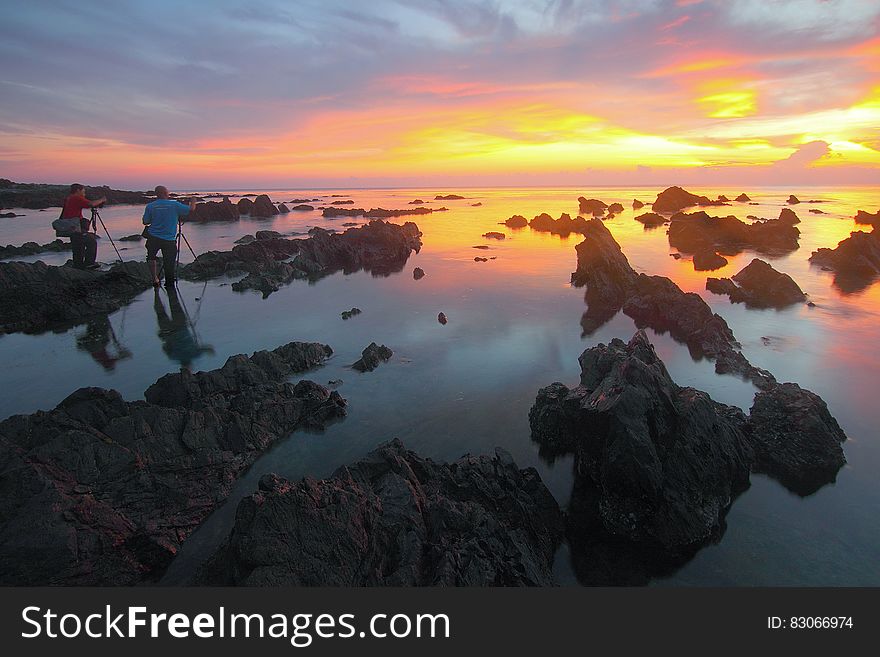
x: 465, y: 92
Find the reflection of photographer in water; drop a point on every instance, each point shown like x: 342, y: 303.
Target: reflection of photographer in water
x: 178, y: 338
x: 96, y: 340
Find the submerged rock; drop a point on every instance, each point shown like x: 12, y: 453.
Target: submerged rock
x: 494, y: 235
x: 371, y: 357
x: 395, y: 519
x: 708, y: 260
x: 516, y: 221
x: 441, y: 317
x: 591, y: 206
x: 760, y: 286
x: 448, y: 197
x: 102, y: 491
x: 652, y: 219
x: 303, y: 207
x: 673, y: 199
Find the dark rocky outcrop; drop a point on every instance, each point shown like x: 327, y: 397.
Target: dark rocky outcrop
x: 376, y: 213
x: 417, y: 201
x: 263, y: 207
x: 637, y: 204
x: 245, y: 206
x: 37, y: 297
x: 345, y: 202
x: 441, y: 317
x: 743, y: 198
x: 855, y: 261
x: 348, y: 314
x: 516, y: 221
x: 283, y: 209
x: 760, y: 286
x: 591, y: 206
x: 32, y: 248
x: 479, y: 259
x: 695, y: 232
x: 708, y: 260
x: 379, y: 247
x: 723, y: 198
x: 371, y: 357
x: 418, y: 273
x: 395, y: 519
x: 788, y: 216
x: 793, y: 200
x: 102, y: 491
x: 563, y: 226
x: 268, y: 235
x: 863, y: 217
x: 674, y: 199
x: 817, y: 211
x: 37, y: 196
x: 652, y: 219
x: 448, y: 197
x: 245, y: 239
x: 493, y: 235
x: 654, y: 301
x: 223, y: 210
x: 302, y: 208
x: 137, y: 237
x: 615, y: 208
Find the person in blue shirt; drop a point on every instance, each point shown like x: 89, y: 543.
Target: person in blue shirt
x: 161, y: 218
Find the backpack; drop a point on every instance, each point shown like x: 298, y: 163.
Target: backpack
x: 66, y: 227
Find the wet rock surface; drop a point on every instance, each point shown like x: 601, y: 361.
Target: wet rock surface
x: 371, y: 357
x: 209, y: 211
x: 698, y: 231
x: 708, y: 261
x: 32, y: 248
x: 395, y: 519
x: 855, y: 261
x: 760, y: 286
x: 103, y: 491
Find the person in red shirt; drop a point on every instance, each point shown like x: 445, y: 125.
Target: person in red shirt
x: 84, y: 243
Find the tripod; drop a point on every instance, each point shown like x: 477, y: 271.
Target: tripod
x: 97, y: 215
x: 180, y: 236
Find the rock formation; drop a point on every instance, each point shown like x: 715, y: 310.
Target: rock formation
x: 673, y: 199
x: 652, y: 219
x: 743, y: 198
x: 371, y: 357
x: 760, y: 286
x: 376, y: 213
x: 215, y: 211
x: 691, y: 233
x: 591, y: 206
x: 32, y: 248
x: 855, y: 261
x: 563, y: 226
x: 516, y: 221
x: 863, y: 217
x: 448, y: 197
x: 788, y: 216
x: 637, y: 204
x: 708, y: 260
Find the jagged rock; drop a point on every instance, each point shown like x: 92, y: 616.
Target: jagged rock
x: 591, y: 206
x: 378, y: 247
x: 708, y: 261
x: 673, y: 199
x: 788, y: 216
x: 215, y: 211
x: 792, y: 200
x: 37, y: 297
x: 418, y: 201
x: 345, y: 202
x: 760, y: 286
x: 302, y: 208
x: 245, y: 206
x: 691, y: 233
x: 283, y: 209
x: 637, y: 204
x: 418, y: 273
x: 102, y: 491
x: 263, y: 207
x: 268, y: 235
x: 517, y: 221
x: 795, y: 438
x: 32, y: 248
x: 743, y: 198
x: 246, y: 239
x: 448, y: 197
x: 863, y: 217
x: 855, y: 261
x: 662, y: 463
x: 395, y: 519
x: 652, y: 219
x: 615, y: 208
x: 563, y: 226
x: 654, y: 301
x: 723, y: 198
x: 494, y: 235
x: 348, y: 314
x: 371, y: 357
x: 441, y: 317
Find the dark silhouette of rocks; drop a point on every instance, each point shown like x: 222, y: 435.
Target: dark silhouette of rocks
x: 448, y: 197
x: 615, y: 208
x: 673, y: 199
x: 395, y: 519
x: 37, y: 297
x: 377, y: 247
x: 32, y: 248
x: 245, y: 239
x: 283, y: 209
x: 863, y: 217
x: 484, y: 247
x: 263, y: 207
x: 591, y: 206
x: 38, y: 196
x: 743, y: 198
x: 103, y: 491
x: 302, y: 208
x: 9, y: 215
x: 517, y: 221
x: 760, y: 286
x: 708, y: 261
x: 418, y: 273
x: 215, y: 211
x: 652, y: 219
x: 348, y: 314
x: 723, y: 198
x: 695, y: 232
x: 476, y: 205
x: 137, y: 237
x: 816, y: 211
x: 656, y: 302
x: 346, y: 202
x: 376, y: 213
x: 371, y: 357
x: 245, y: 206
x: 563, y: 226
x: 637, y: 204
x: 441, y: 317
x: 418, y: 201
x: 795, y: 438
x: 268, y: 235
x: 789, y: 216
x: 657, y: 466
x: 492, y: 235
x: 479, y: 259
x: 792, y: 200
x: 855, y: 260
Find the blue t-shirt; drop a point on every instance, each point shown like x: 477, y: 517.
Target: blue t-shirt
x: 161, y: 217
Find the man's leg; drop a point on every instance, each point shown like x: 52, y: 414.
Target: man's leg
x: 76, y: 244
x: 90, y: 249
x: 169, y: 256
x: 152, y: 250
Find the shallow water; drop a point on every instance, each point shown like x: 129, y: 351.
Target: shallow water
x: 514, y: 326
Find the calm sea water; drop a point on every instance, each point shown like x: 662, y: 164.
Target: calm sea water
x: 514, y: 326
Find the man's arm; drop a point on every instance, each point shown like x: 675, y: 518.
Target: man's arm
x: 148, y: 217
x: 98, y: 202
